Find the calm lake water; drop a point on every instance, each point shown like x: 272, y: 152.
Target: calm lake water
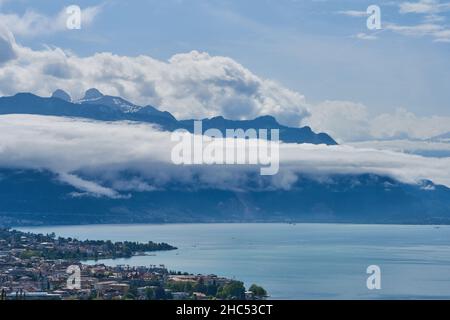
x: 303, y: 261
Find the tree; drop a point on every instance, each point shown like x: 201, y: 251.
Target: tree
x: 149, y: 294
x: 258, y: 291
x: 129, y: 296
x: 159, y: 294
x: 232, y: 290
x: 211, y: 290
x: 156, y: 293
x: 200, y: 287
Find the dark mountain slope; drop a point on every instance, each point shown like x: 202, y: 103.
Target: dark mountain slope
x: 33, y: 197
x: 107, y: 108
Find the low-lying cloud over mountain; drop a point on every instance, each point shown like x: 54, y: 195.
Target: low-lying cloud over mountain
x: 99, y: 157
x: 427, y: 148
x: 198, y: 85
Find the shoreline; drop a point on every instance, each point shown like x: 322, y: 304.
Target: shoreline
x: 27, y: 227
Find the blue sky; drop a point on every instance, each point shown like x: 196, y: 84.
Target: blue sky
x: 309, y: 46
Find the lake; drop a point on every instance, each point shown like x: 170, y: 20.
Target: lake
x: 302, y: 261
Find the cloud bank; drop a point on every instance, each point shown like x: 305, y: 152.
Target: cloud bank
x: 426, y: 148
x: 349, y: 121
x: 101, y: 158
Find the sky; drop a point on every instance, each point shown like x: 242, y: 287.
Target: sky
x: 291, y: 57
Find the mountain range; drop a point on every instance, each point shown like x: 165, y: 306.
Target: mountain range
x: 94, y: 105
x: 38, y: 197
x: 343, y: 199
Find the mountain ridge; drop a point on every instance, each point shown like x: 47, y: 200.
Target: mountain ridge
x: 350, y: 199
x: 109, y: 108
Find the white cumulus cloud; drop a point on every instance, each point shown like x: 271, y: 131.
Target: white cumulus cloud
x: 189, y: 85
x: 197, y: 85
